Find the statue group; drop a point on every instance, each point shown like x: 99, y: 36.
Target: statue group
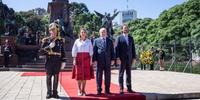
x: 7, y: 20
x: 107, y: 21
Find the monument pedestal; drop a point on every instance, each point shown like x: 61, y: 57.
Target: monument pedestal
x: 59, y: 9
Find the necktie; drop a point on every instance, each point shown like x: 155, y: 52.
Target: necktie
x: 126, y: 37
x: 104, y: 42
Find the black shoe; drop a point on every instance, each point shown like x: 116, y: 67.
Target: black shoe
x: 55, y: 94
x: 48, y: 96
x: 108, y: 92
x: 130, y: 91
x: 98, y: 93
x: 121, y: 91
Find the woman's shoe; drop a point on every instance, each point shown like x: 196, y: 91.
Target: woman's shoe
x: 162, y: 69
x: 83, y: 93
x: 79, y: 93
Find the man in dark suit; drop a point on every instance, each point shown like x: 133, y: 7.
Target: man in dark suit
x: 125, y: 54
x: 103, y: 58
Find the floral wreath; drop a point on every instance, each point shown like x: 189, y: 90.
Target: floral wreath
x: 146, y: 57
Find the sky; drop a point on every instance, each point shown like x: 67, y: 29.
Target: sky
x: 144, y: 8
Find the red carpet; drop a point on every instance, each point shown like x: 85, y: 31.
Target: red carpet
x: 33, y: 74
x: 70, y: 87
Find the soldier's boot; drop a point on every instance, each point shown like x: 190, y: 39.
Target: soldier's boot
x: 55, y: 86
x: 49, y: 86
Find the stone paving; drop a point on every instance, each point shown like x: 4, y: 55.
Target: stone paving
x: 15, y: 87
x: 156, y: 85
x: 164, y: 84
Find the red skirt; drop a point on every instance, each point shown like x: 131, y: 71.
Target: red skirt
x: 83, y: 70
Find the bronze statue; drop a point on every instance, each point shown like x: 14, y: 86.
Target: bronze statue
x: 65, y: 28
x: 107, y: 21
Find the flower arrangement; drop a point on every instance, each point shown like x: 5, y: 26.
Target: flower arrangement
x: 146, y: 57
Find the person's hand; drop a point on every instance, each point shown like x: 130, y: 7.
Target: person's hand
x: 10, y: 55
x: 118, y: 61
x: 133, y: 61
x: 91, y: 63
x: 63, y: 65
x: 74, y: 62
x: 52, y: 44
x: 95, y: 63
x: 112, y: 62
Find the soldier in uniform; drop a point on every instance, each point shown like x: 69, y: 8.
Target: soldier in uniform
x: 6, y: 52
x: 53, y: 48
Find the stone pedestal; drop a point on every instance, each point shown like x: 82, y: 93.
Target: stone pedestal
x: 59, y: 9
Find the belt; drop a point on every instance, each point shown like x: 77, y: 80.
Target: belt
x: 54, y: 54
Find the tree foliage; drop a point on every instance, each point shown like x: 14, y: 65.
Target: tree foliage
x: 34, y: 21
x: 81, y: 17
x: 180, y: 23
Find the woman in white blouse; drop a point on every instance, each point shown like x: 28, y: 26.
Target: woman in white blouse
x: 82, y: 52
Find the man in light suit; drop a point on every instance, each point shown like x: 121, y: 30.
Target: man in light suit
x: 125, y: 54
x: 103, y: 58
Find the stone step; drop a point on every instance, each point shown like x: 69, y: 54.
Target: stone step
x: 29, y: 69
x: 68, y: 63
x: 42, y: 65
x: 39, y: 69
x: 33, y: 66
x: 34, y: 63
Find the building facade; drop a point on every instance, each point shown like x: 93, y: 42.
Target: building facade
x: 127, y: 15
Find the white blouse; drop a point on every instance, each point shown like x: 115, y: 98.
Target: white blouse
x: 82, y: 46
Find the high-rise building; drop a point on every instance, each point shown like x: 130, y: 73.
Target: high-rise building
x: 40, y: 11
x: 127, y: 15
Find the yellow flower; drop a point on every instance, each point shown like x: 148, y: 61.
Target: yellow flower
x: 146, y: 57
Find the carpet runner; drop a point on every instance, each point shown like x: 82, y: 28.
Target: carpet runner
x: 33, y: 74
x: 70, y: 87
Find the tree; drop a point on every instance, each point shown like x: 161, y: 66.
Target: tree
x: 34, y: 21
x: 81, y: 17
x: 180, y: 23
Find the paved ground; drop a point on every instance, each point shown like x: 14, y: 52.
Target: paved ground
x: 164, y: 84
x: 155, y: 85
x: 15, y: 87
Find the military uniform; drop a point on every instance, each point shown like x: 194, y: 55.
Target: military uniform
x: 7, y: 53
x: 54, y: 57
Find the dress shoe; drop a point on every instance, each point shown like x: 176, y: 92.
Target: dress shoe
x: 108, y: 92
x: 130, y: 91
x: 162, y: 69
x: 55, y: 94
x: 98, y: 93
x: 79, y: 93
x: 48, y: 96
x: 83, y: 93
x: 121, y: 91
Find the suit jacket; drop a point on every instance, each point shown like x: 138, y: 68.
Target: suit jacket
x: 101, y: 54
x: 124, y: 51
